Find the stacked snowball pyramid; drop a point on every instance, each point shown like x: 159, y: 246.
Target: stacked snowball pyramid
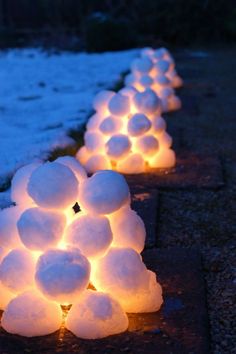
x: 72, y: 240
x: 155, y: 69
x: 126, y: 133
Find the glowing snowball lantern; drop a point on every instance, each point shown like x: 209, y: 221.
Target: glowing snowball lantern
x: 127, y: 132
x: 55, y: 256
x: 155, y: 69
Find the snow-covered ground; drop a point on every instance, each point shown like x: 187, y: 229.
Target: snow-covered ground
x: 43, y: 96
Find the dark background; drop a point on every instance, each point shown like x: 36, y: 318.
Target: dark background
x: 99, y: 25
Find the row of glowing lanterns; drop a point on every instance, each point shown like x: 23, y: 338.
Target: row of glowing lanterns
x: 74, y: 240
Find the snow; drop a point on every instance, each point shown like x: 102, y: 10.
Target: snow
x: 43, y: 96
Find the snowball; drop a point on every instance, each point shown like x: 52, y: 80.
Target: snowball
x: 123, y: 275
x: 93, y: 141
x: 165, y: 158
x: 118, y: 146
x: 158, y: 125
x: 97, y: 162
x: 146, y: 81
x: 31, y: 315
x: 74, y: 165
x: 19, y: 193
x: 5, y: 296
x: 134, y: 163
x: 40, y: 229
x: 53, y: 185
x: 128, y: 229
x: 128, y: 91
x: 165, y: 140
x: 94, y: 121
x: 147, y: 145
x: 142, y: 65
x: 91, y: 234
x: 162, y: 80
x: 162, y: 65
x: 166, y: 92
x: 174, y: 103
x: 17, y: 270
x: 160, y: 53
x: 104, y: 192
x: 101, y: 100
x: 62, y: 275
x: 110, y: 125
x: 176, y: 81
x: 147, y: 102
x: 147, y: 52
x: 83, y: 155
x: 130, y: 80
x: 9, y: 236
x: 119, y: 105
x: 96, y: 315
x: 138, y: 124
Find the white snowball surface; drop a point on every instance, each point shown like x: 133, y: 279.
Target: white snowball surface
x: 96, y: 315
x: 91, y: 234
x: 101, y: 100
x: 19, y: 193
x: 31, y: 315
x: 147, y: 145
x: 119, y: 105
x: 9, y: 236
x: 147, y: 102
x: 138, y: 124
x: 110, y: 125
x: 40, y: 229
x: 5, y: 296
x: 128, y: 91
x: 53, y: 186
x: 158, y: 125
x: 146, y: 81
x: 142, y: 65
x: 93, y: 141
x: 118, y: 146
x: 17, y: 270
x: 94, y: 121
x: 97, y: 162
x: 74, y: 165
x: 123, y: 275
x: 83, y: 155
x: 165, y: 158
x: 62, y: 275
x: 128, y: 229
x: 104, y: 192
x: 165, y: 140
x: 134, y: 163
x: 162, y: 65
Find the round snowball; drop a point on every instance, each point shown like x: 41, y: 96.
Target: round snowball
x: 142, y: 65
x: 158, y: 125
x: 74, y: 165
x: 97, y: 162
x: 9, y: 236
x: 130, y: 80
x: 62, y: 275
x: 17, y: 270
x: 146, y: 81
x: 40, y: 229
x: 119, y: 105
x: 91, y: 234
x: 53, y: 186
x: 96, y: 315
x: 118, y: 146
x: 147, y: 52
x: 138, y: 124
x: 124, y: 276
x: 93, y: 141
x: 19, y: 193
x: 174, y: 103
x: 162, y: 80
x: 128, y: 229
x: 101, y: 100
x: 110, y: 125
x: 5, y: 297
x: 165, y: 140
x: 134, y: 164
x: 93, y: 122
x: 147, y: 145
x: 162, y: 65
x: 165, y: 158
x: 30, y: 315
x: 104, y: 192
x: 83, y: 155
x: 147, y: 102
